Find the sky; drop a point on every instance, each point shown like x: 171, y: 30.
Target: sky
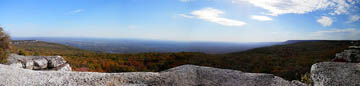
x: 184, y: 20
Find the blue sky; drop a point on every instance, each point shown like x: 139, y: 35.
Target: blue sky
x: 184, y: 20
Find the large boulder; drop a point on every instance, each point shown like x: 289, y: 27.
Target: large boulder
x: 187, y: 75
x: 28, y: 64
x: 336, y: 74
x: 190, y: 75
x: 39, y: 62
x: 55, y: 61
x: 64, y: 67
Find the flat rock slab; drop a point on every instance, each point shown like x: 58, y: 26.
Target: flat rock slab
x: 187, y: 75
x: 336, y: 74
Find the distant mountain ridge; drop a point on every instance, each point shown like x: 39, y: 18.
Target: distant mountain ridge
x: 144, y: 46
x: 298, y: 41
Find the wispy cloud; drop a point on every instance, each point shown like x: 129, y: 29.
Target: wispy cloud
x: 186, y: 16
x: 337, y: 34
x: 335, y: 31
x: 75, y: 11
x: 278, y: 7
x: 213, y: 15
x: 354, y: 18
x: 261, y: 18
x: 325, y: 21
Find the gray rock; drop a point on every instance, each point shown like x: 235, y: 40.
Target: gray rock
x: 298, y: 83
x: 190, y: 75
x: 29, y: 65
x: 17, y: 65
x: 350, y: 55
x: 354, y: 47
x: 55, y: 61
x: 187, y: 75
x: 65, y: 67
x: 335, y: 74
x: 40, y: 64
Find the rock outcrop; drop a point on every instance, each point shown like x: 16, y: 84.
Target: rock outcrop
x: 39, y: 62
x: 350, y: 55
x: 344, y: 71
x: 336, y: 74
x: 186, y: 75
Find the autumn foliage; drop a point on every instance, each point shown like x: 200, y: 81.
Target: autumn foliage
x: 5, y: 45
x: 289, y: 61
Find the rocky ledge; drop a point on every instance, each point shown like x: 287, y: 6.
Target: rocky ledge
x: 186, y: 75
x: 322, y: 74
x: 336, y: 74
x: 56, y: 63
x: 350, y: 55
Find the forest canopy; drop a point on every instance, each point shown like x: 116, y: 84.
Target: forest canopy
x: 289, y: 61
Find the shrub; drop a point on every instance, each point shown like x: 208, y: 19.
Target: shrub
x: 306, y: 78
x: 22, y: 52
x: 3, y: 55
x: 5, y: 45
x: 4, y: 40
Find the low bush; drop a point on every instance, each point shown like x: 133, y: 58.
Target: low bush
x: 5, y: 45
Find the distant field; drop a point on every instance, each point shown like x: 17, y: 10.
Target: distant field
x: 289, y: 61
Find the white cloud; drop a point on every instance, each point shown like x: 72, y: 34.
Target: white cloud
x: 341, y: 6
x: 354, y: 18
x: 278, y: 7
x: 76, y: 11
x: 186, y: 16
x: 337, y: 34
x: 213, y: 15
x: 335, y: 31
x: 325, y: 21
x: 261, y: 18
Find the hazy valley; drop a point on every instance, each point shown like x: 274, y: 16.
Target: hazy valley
x: 146, y: 46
